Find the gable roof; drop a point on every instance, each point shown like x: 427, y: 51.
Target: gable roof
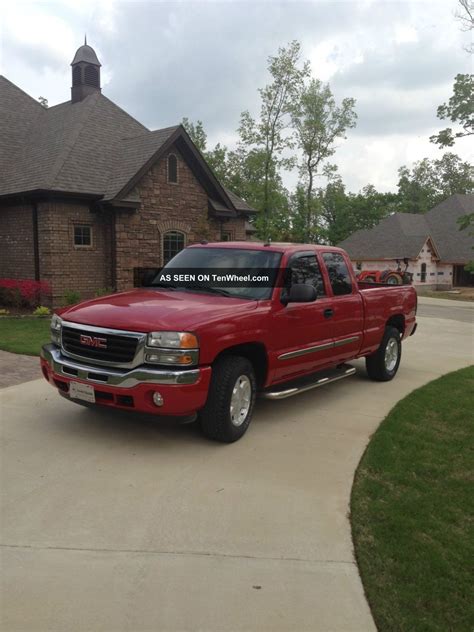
x: 404, y: 234
x: 89, y: 147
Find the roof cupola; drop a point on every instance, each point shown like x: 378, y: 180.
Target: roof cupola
x: 85, y: 73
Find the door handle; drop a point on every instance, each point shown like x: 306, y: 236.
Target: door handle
x: 328, y: 313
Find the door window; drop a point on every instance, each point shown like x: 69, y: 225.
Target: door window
x: 339, y: 276
x: 304, y: 269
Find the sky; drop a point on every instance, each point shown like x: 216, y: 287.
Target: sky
x: 162, y: 61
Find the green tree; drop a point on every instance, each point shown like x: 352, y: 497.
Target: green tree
x: 343, y: 213
x: 196, y: 133
x: 269, y: 134
x: 460, y: 110
x: 318, y: 121
x: 431, y: 181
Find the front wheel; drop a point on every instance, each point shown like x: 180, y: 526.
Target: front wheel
x: 382, y: 365
x: 229, y: 407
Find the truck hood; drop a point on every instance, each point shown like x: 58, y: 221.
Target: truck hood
x: 154, y: 310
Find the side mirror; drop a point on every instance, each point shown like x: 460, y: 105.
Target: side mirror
x: 302, y: 293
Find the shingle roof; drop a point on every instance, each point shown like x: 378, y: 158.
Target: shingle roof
x: 87, y: 147
x: 87, y: 54
x: 404, y: 234
x: 239, y: 203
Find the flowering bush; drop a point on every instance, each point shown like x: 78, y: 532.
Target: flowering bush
x: 24, y: 292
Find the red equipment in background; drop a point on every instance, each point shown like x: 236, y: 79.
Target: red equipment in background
x: 389, y: 277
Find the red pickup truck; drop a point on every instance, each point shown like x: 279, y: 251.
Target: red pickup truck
x: 180, y: 349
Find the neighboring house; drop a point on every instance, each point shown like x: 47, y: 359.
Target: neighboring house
x: 90, y: 198
x: 437, y: 250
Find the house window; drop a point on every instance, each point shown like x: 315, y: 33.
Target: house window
x: 226, y: 236
x: 172, y: 169
x: 173, y: 242
x: 423, y: 272
x: 83, y: 236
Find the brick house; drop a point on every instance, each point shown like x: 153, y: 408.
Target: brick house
x: 435, y: 246
x: 92, y: 199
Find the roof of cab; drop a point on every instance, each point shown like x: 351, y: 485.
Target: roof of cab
x: 260, y: 245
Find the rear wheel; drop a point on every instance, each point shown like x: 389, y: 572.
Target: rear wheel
x: 382, y: 365
x: 229, y: 407
x: 369, y: 279
x: 394, y: 279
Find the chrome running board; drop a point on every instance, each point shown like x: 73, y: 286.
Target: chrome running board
x: 319, y: 379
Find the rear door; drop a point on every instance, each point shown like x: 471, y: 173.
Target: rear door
x: 347, y: 318
x: 301, y: 332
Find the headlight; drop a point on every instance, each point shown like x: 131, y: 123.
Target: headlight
x: 178, y: 348
x: 172, y: 340
x: 56, y: 324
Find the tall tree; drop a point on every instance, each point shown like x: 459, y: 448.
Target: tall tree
x: 318, y: 122
x: 431, y: 181
x: 460, y: 110
x: 465, y: 15
x: 196, y: 133
x: 343, y: 213
x: 268, y: 133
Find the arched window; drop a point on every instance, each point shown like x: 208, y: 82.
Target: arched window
x: 423, y: 273
x: 172, y: 169
x: 173, y: 242
x: 91, y: 76
x: 76, y: 76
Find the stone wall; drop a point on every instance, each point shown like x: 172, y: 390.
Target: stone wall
x: 165, y: 206
x: 16, y: 242
x: 84, y: 269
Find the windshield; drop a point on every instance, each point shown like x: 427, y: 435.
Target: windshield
x: 235, y: 272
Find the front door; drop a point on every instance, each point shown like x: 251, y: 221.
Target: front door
x: 301, y: 332
x: 348, y: 316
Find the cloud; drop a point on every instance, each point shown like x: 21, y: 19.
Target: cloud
x: 206, y: 60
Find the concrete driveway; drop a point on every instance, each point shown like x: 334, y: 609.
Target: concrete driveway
x: 114, y: 522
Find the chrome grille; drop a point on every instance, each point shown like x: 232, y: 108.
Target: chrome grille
x: 120, y: 349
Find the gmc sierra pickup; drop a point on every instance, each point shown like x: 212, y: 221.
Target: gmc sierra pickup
x: 181, y: 349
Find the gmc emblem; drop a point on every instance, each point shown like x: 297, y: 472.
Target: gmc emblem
x: 92, y: 341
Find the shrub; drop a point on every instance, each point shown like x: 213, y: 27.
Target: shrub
x: 103, y: 291
x: 4, y: 312
x: 71, y: 297
x: 24, y: 292
x: 42, y: 311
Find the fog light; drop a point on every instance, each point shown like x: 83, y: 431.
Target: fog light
x: 157, y: 399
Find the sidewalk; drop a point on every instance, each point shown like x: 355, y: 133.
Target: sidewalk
x: 16, y: 368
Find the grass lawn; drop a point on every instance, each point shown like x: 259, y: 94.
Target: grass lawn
x: 412, y: 511
x: 24, y: 335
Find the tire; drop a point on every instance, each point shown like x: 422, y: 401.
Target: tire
x: 217, y: 419
x: 393, y: 278
x: 382, y: 366
x: 369, y: 279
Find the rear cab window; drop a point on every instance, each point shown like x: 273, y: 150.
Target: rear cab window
x: 338, y: 272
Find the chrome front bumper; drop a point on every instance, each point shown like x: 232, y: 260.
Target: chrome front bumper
x: 61, y: 365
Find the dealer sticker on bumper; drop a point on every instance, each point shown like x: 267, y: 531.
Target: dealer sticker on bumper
x: 77, y: 390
